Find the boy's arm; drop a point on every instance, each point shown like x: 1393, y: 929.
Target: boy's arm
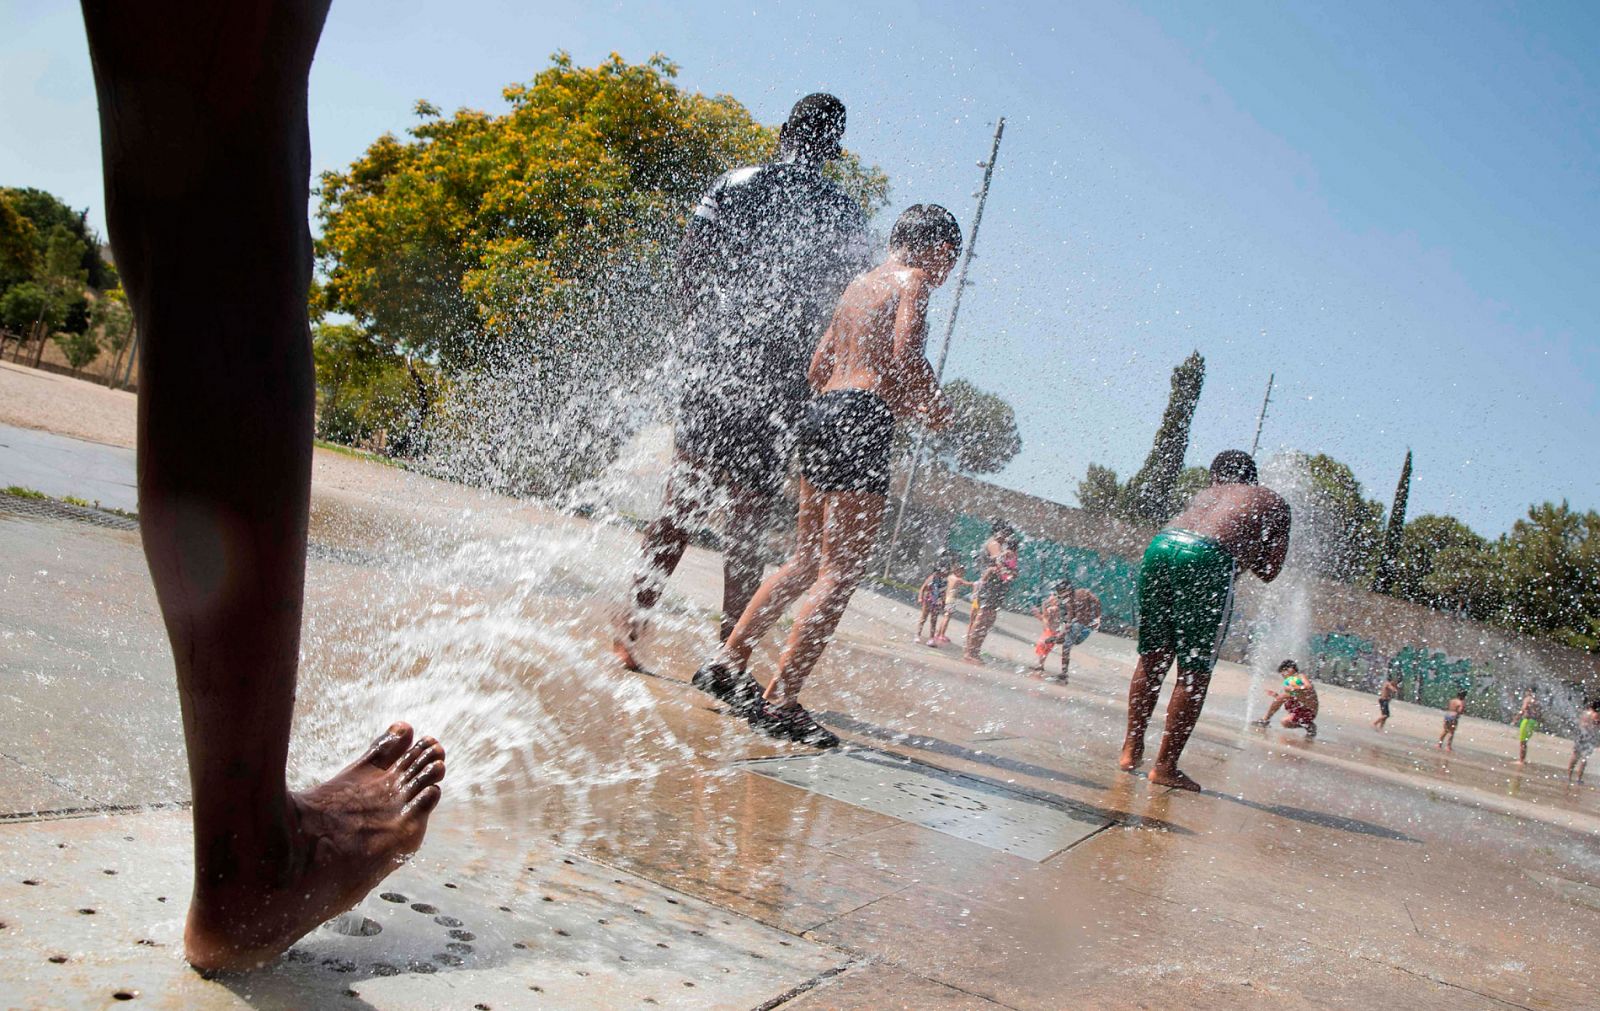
x: 1274, y: 541
x: 919, y: 388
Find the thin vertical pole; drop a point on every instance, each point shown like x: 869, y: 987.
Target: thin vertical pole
x: 1261, y: 419
x: 949, y: 333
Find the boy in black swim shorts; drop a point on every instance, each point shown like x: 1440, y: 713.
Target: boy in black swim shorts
x: 868, y: 371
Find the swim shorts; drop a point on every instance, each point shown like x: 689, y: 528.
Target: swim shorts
x: 1527, y: 729
x: 844, y: 442
x: 1299, y: 714
x: 1185, y: 598
x: 1383, y: 706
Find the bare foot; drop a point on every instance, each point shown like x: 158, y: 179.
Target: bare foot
x: 1132, y: 755
x: 976, y: 661
x: 344, y: 837
x: 1166, y: 776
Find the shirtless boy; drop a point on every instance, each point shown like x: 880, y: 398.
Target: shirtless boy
x: 952, y: 597
x: 1298, y: 700
x: 868, y: 372
x: 1186, y: 599
x: 1527, y: 722
x: 204, y: 140
x: 1069, y: 614
x: 1452, y: 717
x: 1386, y: 694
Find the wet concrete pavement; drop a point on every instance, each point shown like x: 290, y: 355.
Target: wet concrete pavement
x: 1357, y: 869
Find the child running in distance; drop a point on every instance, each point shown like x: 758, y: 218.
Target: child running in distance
x: 868, y: 371
x: 1298, y: 699
x: 1588, y: 734
x: 1528, y: 722
x: 931, y: 597
x: 1452, y: 717
x: 1386, y: 694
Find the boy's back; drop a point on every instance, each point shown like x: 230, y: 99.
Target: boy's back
x: 876, y: 340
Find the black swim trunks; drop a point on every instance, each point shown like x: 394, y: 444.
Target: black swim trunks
x: 736, y: 439
x: 844, y: 442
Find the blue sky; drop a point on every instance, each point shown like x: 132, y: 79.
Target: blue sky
x: 1393, y: 206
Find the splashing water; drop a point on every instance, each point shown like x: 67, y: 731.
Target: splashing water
x: 1283, y: 629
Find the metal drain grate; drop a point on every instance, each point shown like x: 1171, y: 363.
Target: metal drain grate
x: 963, y: 806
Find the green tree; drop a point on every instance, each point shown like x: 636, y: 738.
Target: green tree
x: 1337, y: 519
x: 112, y: 319
x: 1099, y: 491
x: 365, y: 389
x: 1190, y: 481
x: 80, y: 347
x: 1422, y: 543
x: 45, y: 213
x: 1551, y: 569
x: 30, y: 304
x: 480, y: 228
x: 19, y: 245
x: 982, y: 437
x: 1383, y: 580
x: 1149, y: 494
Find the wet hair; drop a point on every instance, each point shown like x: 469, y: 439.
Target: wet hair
x: 1461, y: 695
x: 1288, y: 665
x: 1000, y: 526
x: 1233, y: 466
x: 945, y: 557
x: 1064, y: 586
x: 814, y: 126
x: 923, y: 227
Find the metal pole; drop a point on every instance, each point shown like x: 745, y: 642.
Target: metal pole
x: 944, y: 350
x: 1261, y: 419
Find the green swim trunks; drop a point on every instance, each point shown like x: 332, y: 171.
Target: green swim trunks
x: 1185, y: 598
x: 1526, y: 730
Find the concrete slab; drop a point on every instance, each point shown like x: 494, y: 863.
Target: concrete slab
x: 60, y: 466
x: 94, y: 909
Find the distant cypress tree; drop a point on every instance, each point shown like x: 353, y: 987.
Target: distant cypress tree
x: 1388, y: 573
x: 1149, y: 495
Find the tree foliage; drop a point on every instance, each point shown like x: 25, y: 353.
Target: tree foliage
x: 1099, y: 492
x: 1149, y: 494
x: 1387, y: 572
x: 45, y: 213
x: 1337, y: 519
x: 366, y: 391
x: 480, y: 228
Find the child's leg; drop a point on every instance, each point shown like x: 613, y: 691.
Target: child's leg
x: 979, y: 631
x: 1143, y: 692
x: 851, y: 523
x: 1066, y: 659
x: 781, y: 588
x: 741, y: 553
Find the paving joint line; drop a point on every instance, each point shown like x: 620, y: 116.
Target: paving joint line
x: 810, y: 984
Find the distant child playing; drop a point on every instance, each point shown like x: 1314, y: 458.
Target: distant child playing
x: 1452, y: 717
x: 952, y: 597
x: 1068, y: 616
x: 1298, y: 699
x: 868, y: 371
x: 1390, y: 689
x: 1588, y: 734
x: 1528, y: 722
x: 931, y: 597
x: 987, y: 596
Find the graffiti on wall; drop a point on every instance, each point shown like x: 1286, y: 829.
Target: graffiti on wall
x: 1041, y: 562
x: 1426, y: 676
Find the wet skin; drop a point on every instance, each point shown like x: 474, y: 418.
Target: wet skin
x: 874, y: 343
x: 205, y: 145
x: 1252, y: 524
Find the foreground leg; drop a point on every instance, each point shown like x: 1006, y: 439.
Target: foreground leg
x: 783, y: 587
x: 977, y: 632
x: 204, y: 138
x: 1143, y: 691
x: 852, y: 522
x: 1183, y: 712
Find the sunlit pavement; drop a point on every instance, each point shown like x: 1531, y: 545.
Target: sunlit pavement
x: 613, y: 840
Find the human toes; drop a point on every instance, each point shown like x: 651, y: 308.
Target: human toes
x: 422, y: 777
x: 389, y: 747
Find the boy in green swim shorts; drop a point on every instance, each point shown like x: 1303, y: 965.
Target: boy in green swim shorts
x: 1186, y: 600
x: 1527, y: 723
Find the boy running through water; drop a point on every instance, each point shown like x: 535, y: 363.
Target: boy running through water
x: 1068, y: 615
x: 1528, y: 722
x: 868, y: 371
x: 1298, y: 700
x: 1186, y: 600
x: 1452, y: 717
x: 1386, y: 694
x: 931, y: 597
